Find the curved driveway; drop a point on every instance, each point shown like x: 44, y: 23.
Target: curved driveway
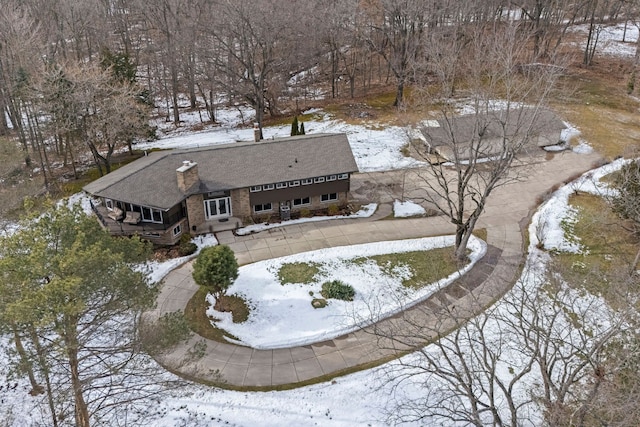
x: 505, y: 216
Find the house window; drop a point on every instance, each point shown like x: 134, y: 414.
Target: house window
x: 177, y: 229
x: 301, y: 201
x: 307, y: 181
x: 109, y: 204
x: 255, y: 188
x: 318, y: 179
x: 281, y: 185
x: 268, y: 187
x: 294, y: 183
x: 329, y: 197
x: 151, y: 215
x: 332, y: 177
x: 343, y: 176
x: 262, y: 208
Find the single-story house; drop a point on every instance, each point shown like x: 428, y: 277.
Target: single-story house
x: 168, y: 193
x: 487, y: 132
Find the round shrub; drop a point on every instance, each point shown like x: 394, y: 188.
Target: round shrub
x: 338, y: 290
x: 186, y: 246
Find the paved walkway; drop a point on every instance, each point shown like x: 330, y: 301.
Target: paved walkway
x: 506, y: 214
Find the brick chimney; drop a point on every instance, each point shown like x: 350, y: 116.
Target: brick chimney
x: 257, y: 135
x: 187, y: 175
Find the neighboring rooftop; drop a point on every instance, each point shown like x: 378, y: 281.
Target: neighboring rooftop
x: 152, y: 180
x: 494, y: 124
x: 489, y: 130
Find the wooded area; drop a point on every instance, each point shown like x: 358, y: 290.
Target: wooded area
x: 78, y: 79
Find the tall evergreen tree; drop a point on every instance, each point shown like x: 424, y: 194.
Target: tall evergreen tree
x: 294, y: 126
x: 75, y: 298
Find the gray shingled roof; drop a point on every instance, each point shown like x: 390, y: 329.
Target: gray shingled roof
x: 152, y: 180
x: 465, y: 128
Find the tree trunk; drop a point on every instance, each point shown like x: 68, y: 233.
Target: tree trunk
x: 25, y: 364
x: 399, y: 94
x: 4, y: 128
x: 80, y: 405
x: 589, y: 50
x: 174, y: 94
x: 45, y: 372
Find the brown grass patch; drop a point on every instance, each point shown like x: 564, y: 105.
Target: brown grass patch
x: 200, y: 323
x: 610, y: 250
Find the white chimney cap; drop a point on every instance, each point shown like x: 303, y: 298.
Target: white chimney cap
x: 186, y: 165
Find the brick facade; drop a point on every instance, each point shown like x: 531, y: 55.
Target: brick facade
x: 195, y: 210
x: 240, y: 203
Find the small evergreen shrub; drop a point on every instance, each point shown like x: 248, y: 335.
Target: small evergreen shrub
x: 336, y: 289
x: 186, y: 247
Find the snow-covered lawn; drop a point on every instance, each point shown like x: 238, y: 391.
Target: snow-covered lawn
x: 282, y: 315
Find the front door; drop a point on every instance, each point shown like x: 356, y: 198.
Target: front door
x: 217, y: 208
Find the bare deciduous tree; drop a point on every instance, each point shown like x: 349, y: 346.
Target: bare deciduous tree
x: 543, y: 355
x: 398, y: 34
x: 507, y: 101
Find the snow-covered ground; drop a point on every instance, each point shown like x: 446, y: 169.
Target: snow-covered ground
x: 407, y: 209
x: 610, y: 39
x: 282, y: 316
x: 333, y: 404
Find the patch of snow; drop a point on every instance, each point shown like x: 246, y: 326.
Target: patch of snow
x: 610, y: 39
x: 569, y: 132
x: 431, y: 123
x: 555, y: 148
x: 550, y: 216
x: 407, y: 209
x: 582, y: 148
